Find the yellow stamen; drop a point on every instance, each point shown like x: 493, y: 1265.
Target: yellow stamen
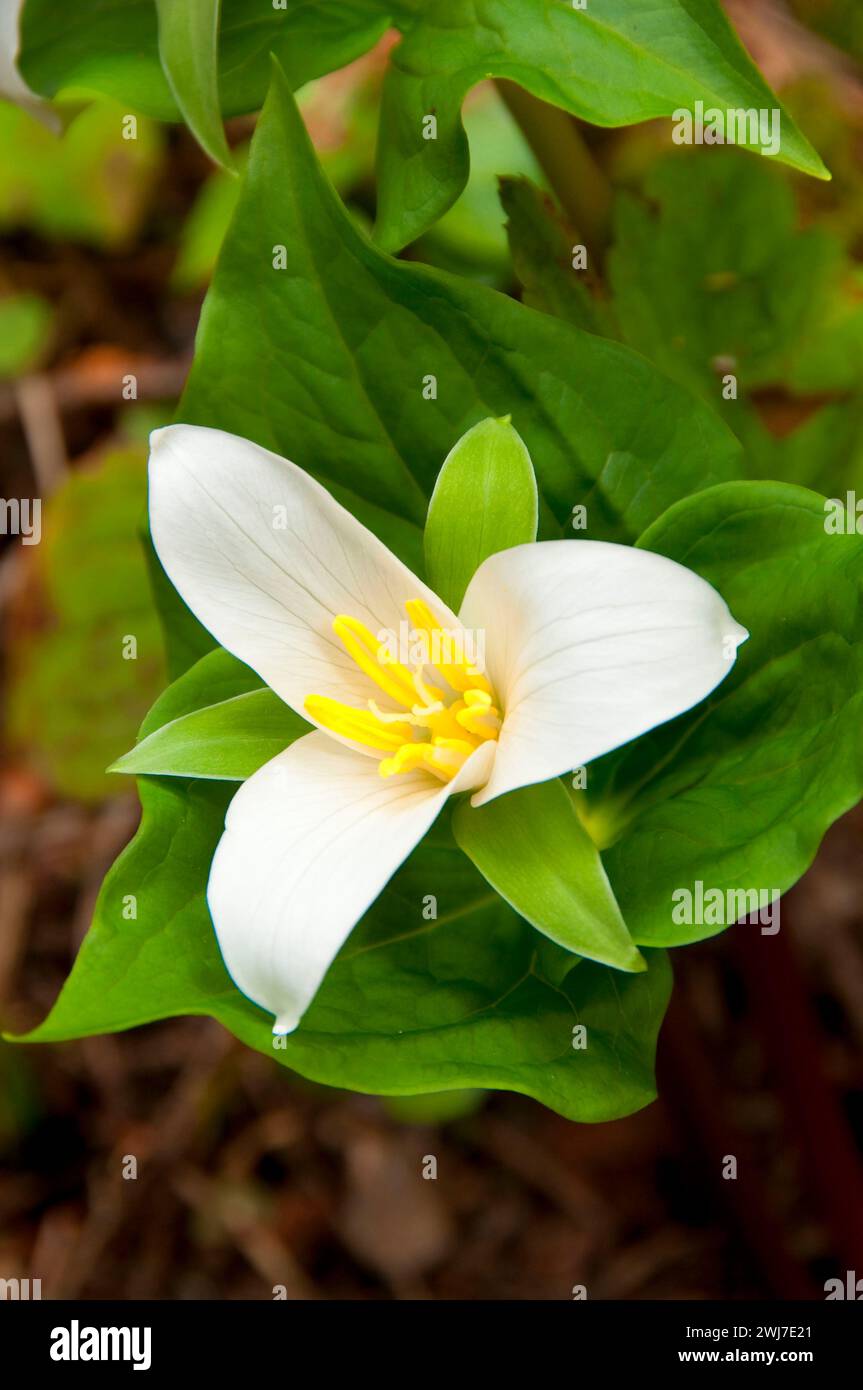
x: 372, y: 657
x: 440, y: 721
x: 453, y: 665
x: 438, y: 727
x: 483, y: 723
x: 361, y: 725
x: 443, y: 758
x: 408, y: 759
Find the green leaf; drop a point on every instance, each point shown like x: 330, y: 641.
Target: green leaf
x: 471, y: 998
x: 469, y: 239
x: 409, y: 1006
x: 738, y: 793
x: 534, y: 851
x: 349, y: 398
x: 189, y: 51
x: 710, y: 273
x: 112, y: 47
x: 614, y: 63
x: 213, y: 678
x: 226, y: 741
x: 484, y: 500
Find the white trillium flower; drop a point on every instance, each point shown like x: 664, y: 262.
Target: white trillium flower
x: 587, y: 645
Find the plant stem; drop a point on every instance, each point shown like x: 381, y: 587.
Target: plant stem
x: 577, y: 180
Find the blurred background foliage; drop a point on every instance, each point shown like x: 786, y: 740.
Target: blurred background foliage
x: 76, y: 687
x: 714, y: 263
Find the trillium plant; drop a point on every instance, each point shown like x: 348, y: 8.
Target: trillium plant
x: 495, y: 672
x: 587, y: 644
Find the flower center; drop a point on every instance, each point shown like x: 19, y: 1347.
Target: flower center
x: 446, y: 706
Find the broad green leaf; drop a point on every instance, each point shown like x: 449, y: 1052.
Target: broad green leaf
x: 112, y: 47
x: 738, y: 793
x: 484, y: 500
x: 469, y: 239
x: 189, y: 51
x: 395, y: 361
x: 612, y: 63
x: 710, y: 274
x: 471, y: 997
x: 226, y: 741
x: 213, y: 678
x: 84, y: 672
x: 409, y: 1006
x: 534, y: 851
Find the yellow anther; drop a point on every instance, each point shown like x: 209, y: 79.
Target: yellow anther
x: 456, y: 745
x: 362, y: 726
x: 404, y: 759
x: 446, y: 651
x: 373, y: 658
x: 449, y: 755
x: 432, y: 731
x: 443, y: 758
x: 412, y: 757
x: 482, y: 722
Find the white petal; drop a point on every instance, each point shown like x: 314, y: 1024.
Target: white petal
x: 588, y: 646
x: 310, y: 841
x: 265, y: 558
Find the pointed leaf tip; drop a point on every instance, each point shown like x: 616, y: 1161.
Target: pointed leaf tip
x: 485, y: 499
